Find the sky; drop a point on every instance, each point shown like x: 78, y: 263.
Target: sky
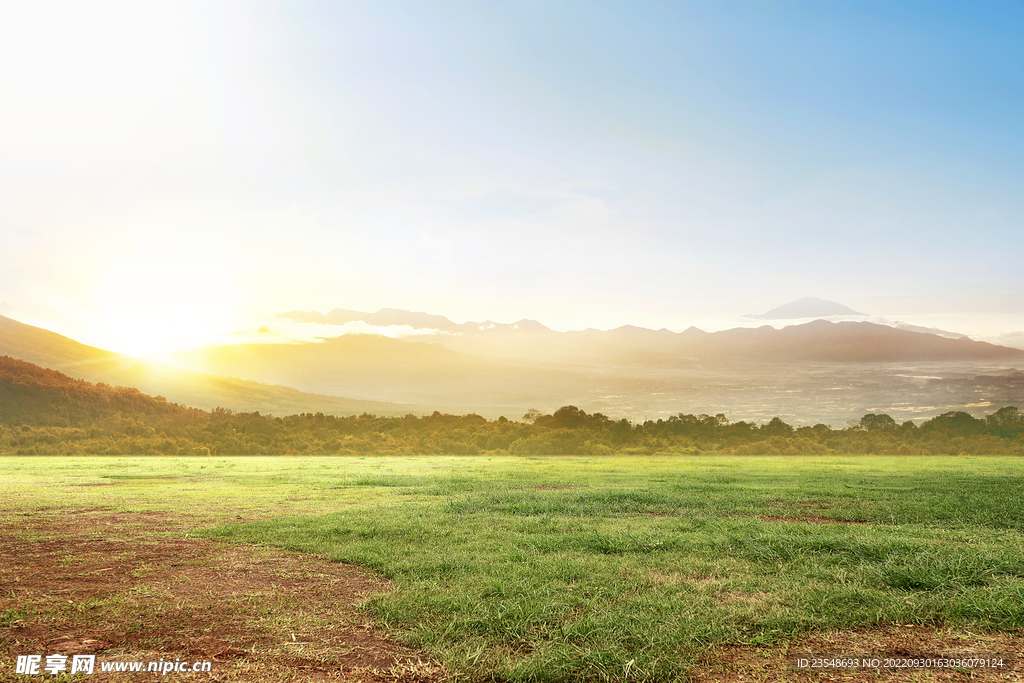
x: 171, y: 170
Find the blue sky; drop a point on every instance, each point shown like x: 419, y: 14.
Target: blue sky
x: 168, y: 169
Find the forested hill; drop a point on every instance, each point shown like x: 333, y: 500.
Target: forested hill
x: 33, y: 395
x: 45, y: 412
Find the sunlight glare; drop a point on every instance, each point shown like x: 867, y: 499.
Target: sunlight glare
x: 166, y: 299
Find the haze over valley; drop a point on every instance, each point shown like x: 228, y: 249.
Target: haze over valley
x: 828, y: 370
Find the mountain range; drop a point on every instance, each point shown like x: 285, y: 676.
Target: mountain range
x: 818, y: 340
x: 814, y: 371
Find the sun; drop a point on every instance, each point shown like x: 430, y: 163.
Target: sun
x: 150, y: 302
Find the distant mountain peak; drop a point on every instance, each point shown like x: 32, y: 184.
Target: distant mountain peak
x: 527, y: 325
x: 806, y: 307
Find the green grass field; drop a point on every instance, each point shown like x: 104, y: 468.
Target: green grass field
x: 603, y: 568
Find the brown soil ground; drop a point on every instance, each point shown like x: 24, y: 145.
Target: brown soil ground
x: 128, y: 587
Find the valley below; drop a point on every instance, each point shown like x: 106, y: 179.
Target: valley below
x: 818, y: 372
x: 810, y: 393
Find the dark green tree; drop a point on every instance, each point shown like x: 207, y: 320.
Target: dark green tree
x: 872, y: 422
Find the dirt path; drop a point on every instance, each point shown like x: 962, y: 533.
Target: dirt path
x: 133, y: 587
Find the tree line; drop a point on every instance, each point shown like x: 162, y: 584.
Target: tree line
x: 45, y: 412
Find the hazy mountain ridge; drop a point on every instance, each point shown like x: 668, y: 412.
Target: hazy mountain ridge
x: 899, y: 325
x: 381, y: 368
x: 188, y: 387
x: 387, y: 317
x: 818, y: 371
x: 633, y: 372
x: 818, y: 340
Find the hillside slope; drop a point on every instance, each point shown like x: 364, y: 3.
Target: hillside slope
x: 371, y: 366
x: 51, y: 350
x: 33, y: 395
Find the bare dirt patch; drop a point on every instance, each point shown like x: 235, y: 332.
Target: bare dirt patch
x: 134, y: 587
x: 731, y: 664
